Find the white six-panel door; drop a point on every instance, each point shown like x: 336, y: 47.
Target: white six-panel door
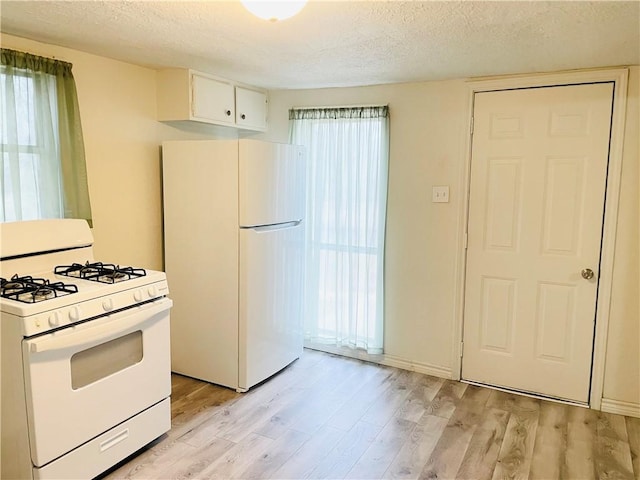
x: 536, y: 202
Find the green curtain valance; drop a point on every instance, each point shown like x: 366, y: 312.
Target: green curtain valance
x: 321, y: 113
x: 34, y: 63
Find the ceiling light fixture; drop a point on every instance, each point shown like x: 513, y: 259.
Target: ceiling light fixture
x: 274, y: 10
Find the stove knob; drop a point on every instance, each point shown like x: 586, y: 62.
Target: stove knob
x: 152, y: 292
x: 54, y: 319
x: 107, y: 305
x: 74, y: 314
x: 137, y: 295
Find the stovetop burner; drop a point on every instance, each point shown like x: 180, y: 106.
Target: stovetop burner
x: 100, y: 272
x: 27, y: 289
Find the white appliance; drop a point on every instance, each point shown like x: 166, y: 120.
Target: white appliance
x: 85, y: 354
x: 234, y: 244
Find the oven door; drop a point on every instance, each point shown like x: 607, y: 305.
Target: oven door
x: 84, y: 380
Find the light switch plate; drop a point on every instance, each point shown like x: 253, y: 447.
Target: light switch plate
x: 440, y: 194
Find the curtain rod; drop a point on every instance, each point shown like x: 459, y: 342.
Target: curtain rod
x: 339, y: 106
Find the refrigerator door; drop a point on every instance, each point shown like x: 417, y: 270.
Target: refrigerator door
x: 271, y: 183
x: 271, y: 279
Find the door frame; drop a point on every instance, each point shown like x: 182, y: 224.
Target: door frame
x: 619, y: 76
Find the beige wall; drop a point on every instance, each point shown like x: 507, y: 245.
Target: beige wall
x: 122, y: 145
x: 429, y: 125
x: 117, y: 108
x: 428, y: 147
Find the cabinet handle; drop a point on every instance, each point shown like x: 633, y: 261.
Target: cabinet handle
x: 228, y: 112
x: 243, y: 116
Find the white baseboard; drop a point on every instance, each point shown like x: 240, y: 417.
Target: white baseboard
x: 427, y: 369
x: 384, y: 359
x: 628, y: 409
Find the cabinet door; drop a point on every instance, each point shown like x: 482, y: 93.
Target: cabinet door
x: 212, y: 100
x: 251, y: 109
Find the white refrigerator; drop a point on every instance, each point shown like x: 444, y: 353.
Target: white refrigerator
x: 234, y: 257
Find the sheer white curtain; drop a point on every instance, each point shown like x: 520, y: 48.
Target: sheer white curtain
x: 31, y: 169
x: 347, y: 153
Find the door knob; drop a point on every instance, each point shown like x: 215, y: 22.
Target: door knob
x: 587, y: 274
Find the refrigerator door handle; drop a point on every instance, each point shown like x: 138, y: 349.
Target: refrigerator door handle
x: 276, y: 226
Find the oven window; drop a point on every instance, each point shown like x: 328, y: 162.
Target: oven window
x: 105, y: 359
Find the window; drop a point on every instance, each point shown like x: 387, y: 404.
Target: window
x: 42, y: 164
x: 347, y: 155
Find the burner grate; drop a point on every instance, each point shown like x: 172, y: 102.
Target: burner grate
x: 27, y: 289
x: 100, y: 272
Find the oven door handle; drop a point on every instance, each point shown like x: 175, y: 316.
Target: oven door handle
x: 102, y: 333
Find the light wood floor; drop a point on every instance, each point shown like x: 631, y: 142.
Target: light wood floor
x: 328, y: 417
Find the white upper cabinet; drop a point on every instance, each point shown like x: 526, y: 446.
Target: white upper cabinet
x: 251, y: 109
x: 212, y: 100
x: 189, y: 95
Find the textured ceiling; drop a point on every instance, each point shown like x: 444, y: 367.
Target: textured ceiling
x: 340, y: 43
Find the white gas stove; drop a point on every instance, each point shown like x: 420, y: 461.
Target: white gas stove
x: 85, y: 353
x: 56, y: 299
